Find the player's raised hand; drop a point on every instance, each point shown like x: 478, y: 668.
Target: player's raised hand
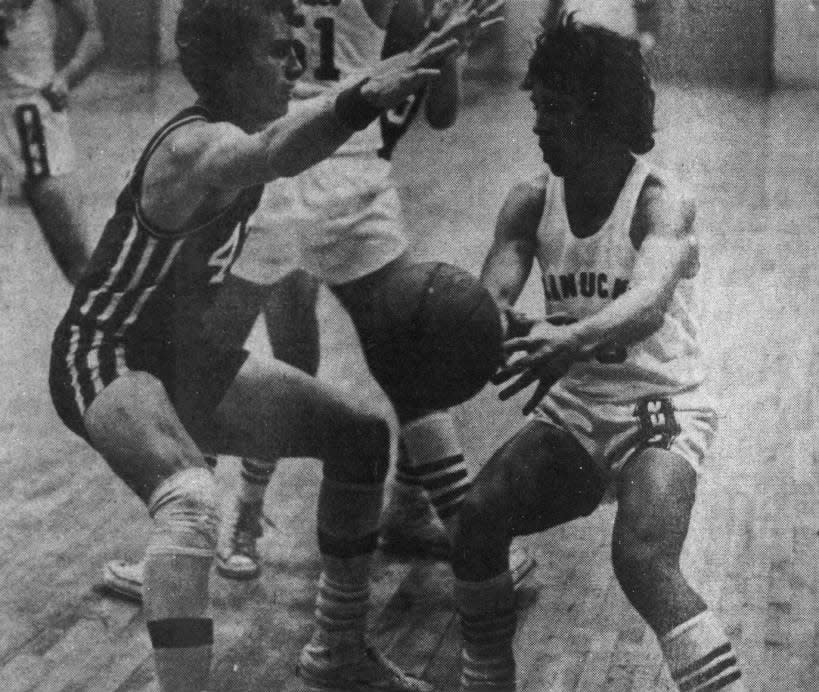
x: 394, y: 79
x: 481, y: 15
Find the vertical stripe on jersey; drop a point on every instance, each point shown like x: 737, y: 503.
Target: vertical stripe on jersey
x: 117, y: 296
x: 172, y: 250
x: 71, y: 362
x: 115, y: 270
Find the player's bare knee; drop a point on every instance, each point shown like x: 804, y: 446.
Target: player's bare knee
x: 641, y: 551
x: 185, y: 514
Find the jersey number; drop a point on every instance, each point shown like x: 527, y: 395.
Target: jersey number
x: 224, y: 256
x: 32, y: 141
x: 326, y: 70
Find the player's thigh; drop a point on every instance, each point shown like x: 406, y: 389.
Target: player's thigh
x: 135, y: 427
x: 360, y: 297
x: 656, y: 491
x: 539, y: 478
x: 292, y: 325
x: 230, y: 319
x: 274, y: 410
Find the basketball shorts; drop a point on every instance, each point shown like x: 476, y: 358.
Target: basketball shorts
x: 195, y: 379
x: 35, y: 141
x: 613, y: 433
x: 340, y: 220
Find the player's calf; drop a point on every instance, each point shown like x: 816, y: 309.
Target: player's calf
x: 349, y: 508
x: 177, y: 566
x: 656, y: 494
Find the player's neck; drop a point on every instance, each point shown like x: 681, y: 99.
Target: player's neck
x: 598, y: 181
x: 592, y: 190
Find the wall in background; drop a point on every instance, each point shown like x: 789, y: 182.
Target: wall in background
x: 796, y: 43
x: 736, y: 42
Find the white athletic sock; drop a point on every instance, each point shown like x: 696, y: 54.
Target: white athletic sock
x: 177, y: 568
x: 348, y: 516
x: 488, y: 623
x: 256, y: 475
x: 700, y: 656
x: 435, y: 462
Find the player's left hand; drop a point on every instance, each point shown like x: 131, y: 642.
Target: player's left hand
x: 56, y: 92
x: 549, y: 353
x: 480, y: 15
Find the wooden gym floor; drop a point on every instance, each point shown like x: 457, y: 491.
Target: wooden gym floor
x: 752, y: 161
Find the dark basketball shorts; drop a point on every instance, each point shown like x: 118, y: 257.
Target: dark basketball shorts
x: 195, y: 379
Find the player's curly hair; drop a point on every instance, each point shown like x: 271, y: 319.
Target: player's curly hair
x: 214, y: 35
x: 604, y: 70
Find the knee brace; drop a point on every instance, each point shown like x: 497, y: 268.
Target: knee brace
x: 186, y: 518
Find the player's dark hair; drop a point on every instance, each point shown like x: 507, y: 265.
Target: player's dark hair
x: 602, y: 69
x: 215, y: 35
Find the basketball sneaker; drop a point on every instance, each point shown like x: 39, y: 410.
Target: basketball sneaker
x: 373, y: 671
x: 410, y: 527
x: 238, y: 558
x: 124, y: 579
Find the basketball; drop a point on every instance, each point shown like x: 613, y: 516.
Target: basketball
x: 438, y: 337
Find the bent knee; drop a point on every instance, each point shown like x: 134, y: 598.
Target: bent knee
x: 185, y: 514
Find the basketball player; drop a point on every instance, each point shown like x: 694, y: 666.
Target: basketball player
x: 617, y: 364
x: 341, y: 221
x: 36, y: 152
x: 135, y: 372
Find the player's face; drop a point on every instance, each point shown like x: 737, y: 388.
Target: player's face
x: 267, y: 80
x: 557, y: 126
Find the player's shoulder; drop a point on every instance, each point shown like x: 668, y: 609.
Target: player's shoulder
x: 529, y: 195
x: 665, y: 203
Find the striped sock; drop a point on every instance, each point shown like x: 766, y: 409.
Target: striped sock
x: 255, y: 476
x: 700, y: 656
x: 348, y: 517
x: 488, y: 622
x: 182, y: 653
x: 435, y: 462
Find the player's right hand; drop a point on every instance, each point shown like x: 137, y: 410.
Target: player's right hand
x: 394, y: 79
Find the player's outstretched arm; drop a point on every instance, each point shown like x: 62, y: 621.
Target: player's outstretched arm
x: 509, y: 262
x: 207, y: 164
x: 89, y: 48
x: 668, y: 253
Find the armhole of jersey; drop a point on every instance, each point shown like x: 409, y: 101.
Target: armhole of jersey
x: 160, y: 137
x: 638, y: 235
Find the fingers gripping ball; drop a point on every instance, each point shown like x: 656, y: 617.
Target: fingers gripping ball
x: 436, y: 337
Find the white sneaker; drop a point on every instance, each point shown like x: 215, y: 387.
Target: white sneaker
x: 373, y: 671
x: 239, y: 559
x: 124, y: 579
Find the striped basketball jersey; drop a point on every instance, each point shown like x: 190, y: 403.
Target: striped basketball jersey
x: 581, y: 276
x: 141, y: 303
x: 338, y: 41
x: 27, y: 32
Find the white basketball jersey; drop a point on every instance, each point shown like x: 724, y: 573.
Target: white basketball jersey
x: 27, y: 31
x: 581, y: 276
x: 340, y: 41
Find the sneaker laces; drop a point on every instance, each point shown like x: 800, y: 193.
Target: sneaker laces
x: 246, y: 530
